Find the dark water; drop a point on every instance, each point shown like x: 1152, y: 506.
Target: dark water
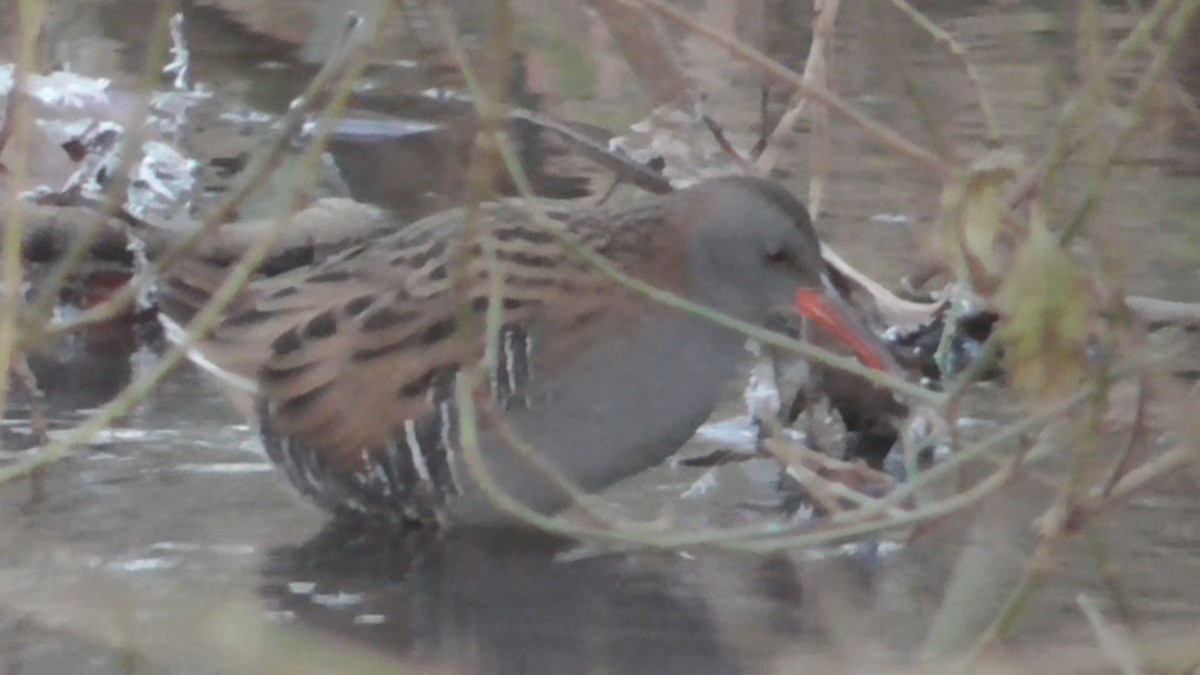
x: 156, y: 541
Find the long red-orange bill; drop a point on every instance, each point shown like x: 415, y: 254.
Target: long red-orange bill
x: 815, y: 305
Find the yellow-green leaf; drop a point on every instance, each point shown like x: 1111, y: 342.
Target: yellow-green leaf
x: 1046, y: 310
x: 972, y: 221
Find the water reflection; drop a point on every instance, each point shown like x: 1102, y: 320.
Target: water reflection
x: 501, y: 601
x: 509, y: 601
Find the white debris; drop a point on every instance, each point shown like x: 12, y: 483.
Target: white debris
x: 59, y: 89
x: 703, y: 486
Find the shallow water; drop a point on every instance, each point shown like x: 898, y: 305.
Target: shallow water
x: 175, y: 509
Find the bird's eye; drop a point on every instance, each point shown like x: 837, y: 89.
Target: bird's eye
x: 779, y: 258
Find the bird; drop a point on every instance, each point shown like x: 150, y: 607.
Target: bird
x: 351, y: 364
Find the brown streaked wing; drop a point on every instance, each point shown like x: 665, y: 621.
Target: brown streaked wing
x: 349, y: 348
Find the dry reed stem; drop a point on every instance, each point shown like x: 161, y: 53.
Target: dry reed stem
x: 816, y: 72
x: 645, y: 50
x: 12, y: 272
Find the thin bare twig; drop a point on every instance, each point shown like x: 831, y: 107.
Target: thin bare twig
x: 991, y: 125
x: 825, y: 475
x: 886, y: 136
x: 624, y: 168
x: 718, y: 134
x: 1136, y: 437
